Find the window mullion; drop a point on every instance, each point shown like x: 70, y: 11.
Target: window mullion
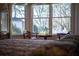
x: 50, y: 19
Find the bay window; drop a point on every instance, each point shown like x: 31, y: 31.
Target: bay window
x: 45, y: 18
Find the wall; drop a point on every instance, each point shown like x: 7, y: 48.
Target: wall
x: 75, y: 18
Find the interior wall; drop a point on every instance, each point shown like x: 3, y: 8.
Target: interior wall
x: 28, y: 18
x: 75, y: 18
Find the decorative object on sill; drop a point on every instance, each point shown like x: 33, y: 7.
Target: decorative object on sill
x: 59, y: 35
x: 27, y: 34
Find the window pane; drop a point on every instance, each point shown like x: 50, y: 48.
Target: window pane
x: 60, y: 25
x: 40, y: 26
x: 56, y: 10
x: 18, y: 26
x: 65, y: 10
x: 18, y: 11
x: 40, y: 11
x: 61, y: 10
x: 18, y: 19
x: 4, y: 25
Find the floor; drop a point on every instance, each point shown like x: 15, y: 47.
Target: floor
x: 28, y: 46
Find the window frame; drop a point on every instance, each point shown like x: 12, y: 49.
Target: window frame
x: 40, y: 17
x: 62, y: 16
x: 22, y: 4
x: 30, y: 16
x: 50, y: 17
